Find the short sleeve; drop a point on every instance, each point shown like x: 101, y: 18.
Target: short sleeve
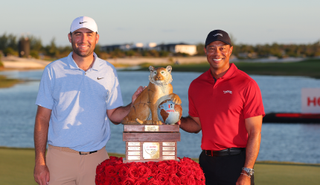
x: 192, y: 109
x: 114, y: 98
x: 44, y: 97
x: 253, y: 101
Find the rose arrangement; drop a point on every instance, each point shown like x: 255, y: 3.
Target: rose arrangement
x: 114, y: 171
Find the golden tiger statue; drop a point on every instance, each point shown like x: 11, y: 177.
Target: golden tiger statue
x: 144, y: 108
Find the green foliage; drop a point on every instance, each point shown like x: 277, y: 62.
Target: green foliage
x: 200, y: 49
x: 10, y: 51
x: 1, y: 64
x: 164, y: 53
x: 130, y: 53
x: 117, y: 53
x: 34, y: 54
x: 8, y: 41
x: 278, y: 50
x: 35, y: 43
x: 51, y: 50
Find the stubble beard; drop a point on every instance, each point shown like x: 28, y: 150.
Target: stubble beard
x: 77, y: 51
x: 82, y: 54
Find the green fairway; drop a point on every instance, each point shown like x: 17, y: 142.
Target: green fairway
x: 309, y: 68
x: 16, y: 168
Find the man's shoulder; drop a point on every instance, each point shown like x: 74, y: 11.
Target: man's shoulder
x: 102, y: 63
x: 243, y: 75
x: 204, y: 78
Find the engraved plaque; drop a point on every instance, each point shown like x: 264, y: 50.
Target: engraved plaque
x: 151, y: 142
x: 168, y: 144
x: 133, y: 148
x: 151, y: 150
x: 133, y: 153
x: 151, y: 128
x: 168, y: 148
x: 133, y: 143
x: 133, y: 157
x: 168, y: 157
x: 168, y: 153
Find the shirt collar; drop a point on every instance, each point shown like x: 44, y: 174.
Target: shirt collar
x: 72, y: 64
x: 230, y: 71
x: 227, y: 75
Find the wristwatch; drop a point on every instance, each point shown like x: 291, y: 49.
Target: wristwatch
x: 249, y: 171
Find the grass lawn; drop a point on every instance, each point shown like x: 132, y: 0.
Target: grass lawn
x: 308, y: 68
x: 16, y: 168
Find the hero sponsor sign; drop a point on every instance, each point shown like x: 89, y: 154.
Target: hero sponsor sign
x: 310, y: 100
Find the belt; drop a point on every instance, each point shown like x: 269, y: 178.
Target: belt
x: 226, y: 152
x: 66, y: 149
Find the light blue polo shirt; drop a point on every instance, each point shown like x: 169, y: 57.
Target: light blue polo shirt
x: 79, y: 100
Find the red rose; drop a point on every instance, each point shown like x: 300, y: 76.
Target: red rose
x: 144, y: 172
x: 153, y: 181
x: 162, y: 178
x: 128, y: 181
x: 174, y: 179
x: 114, y: 171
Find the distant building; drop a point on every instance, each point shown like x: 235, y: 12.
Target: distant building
x: 178, y: 48
x: 173, y: 48
x: 122, y: 47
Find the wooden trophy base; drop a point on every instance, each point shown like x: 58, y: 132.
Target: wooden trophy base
x: 151, y: 142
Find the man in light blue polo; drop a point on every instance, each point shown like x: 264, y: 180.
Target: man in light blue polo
x: 77, y: 97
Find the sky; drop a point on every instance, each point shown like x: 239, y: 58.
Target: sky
x: 166, y: 21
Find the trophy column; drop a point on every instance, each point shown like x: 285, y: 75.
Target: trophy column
x: 151, y: 142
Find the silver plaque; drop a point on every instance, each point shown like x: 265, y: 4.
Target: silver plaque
x: 168, y: 144
x: 168, y: 153
x: 133, y: 148
x: 133, y: 153
x: 168, y: 157
x: 168, y: 148
x: 133, y: 157
x: 133, y: 143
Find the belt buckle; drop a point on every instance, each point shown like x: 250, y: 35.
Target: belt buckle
x: 209, y: 154
x: 84, y: 153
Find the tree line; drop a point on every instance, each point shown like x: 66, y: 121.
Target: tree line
x: 9, y: 46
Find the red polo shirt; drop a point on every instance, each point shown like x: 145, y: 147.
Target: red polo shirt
x: 222, y: 107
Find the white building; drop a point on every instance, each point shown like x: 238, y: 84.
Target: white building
x: 172, y: 48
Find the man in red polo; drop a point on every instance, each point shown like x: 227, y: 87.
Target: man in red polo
x: 226, y: 104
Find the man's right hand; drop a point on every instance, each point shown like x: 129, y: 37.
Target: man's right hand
x: 41, y: 174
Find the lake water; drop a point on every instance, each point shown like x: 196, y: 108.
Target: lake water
x: 280, y: 142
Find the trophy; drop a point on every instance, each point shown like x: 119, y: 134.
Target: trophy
x: 150, y: 129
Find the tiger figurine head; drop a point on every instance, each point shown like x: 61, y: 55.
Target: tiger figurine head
x: 144, y: 108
